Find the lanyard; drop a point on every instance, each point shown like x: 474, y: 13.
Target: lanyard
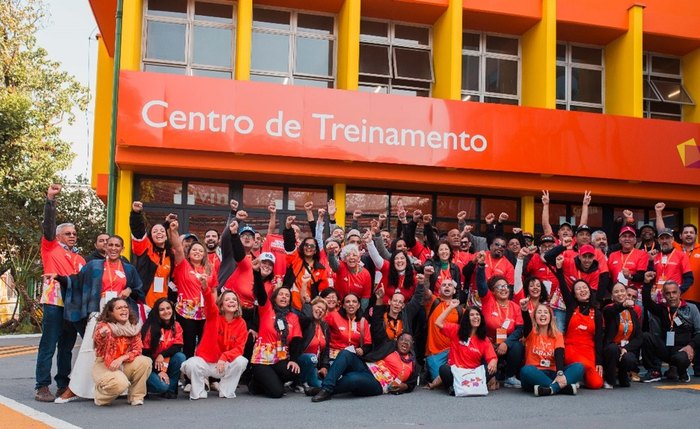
x: 319, y: 336
x: 493, y: 269
x: 626, y: 321
x: 500, y: 313
x: 670, y: 318
x: 653, y: 246
x: 663, y: 266
x: 625, y: 261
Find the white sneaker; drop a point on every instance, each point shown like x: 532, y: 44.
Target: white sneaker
x: 187, y: 388
x: 137, y: 402
x: 606, y: 385
x: 214, y: 386
x: 512, y: 382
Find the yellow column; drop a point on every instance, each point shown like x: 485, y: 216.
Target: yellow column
x: 690, y: 68
x: 244, y: 32
x: 125, y: 187
x: 623, y: 69
x: 103, y: 110
x: 339, y: 190
x: 132, y: 20
x: 447, y: 52
x: 527, y: 213
x: 539, y: 62
x: 690, y: 215
x: 348, y: 46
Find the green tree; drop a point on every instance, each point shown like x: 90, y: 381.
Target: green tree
x: 36, y: 99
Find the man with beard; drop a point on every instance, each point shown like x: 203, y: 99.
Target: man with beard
x: 670, y: 264
x: 211, y: 243
x: 599, y: 240
x: 628, y: 265
x: 647, y: 240
x: 496, y: 264
x: 582, y: 265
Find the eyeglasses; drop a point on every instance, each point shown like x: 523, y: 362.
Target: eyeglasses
x: 309, y: 246
x: 464, y: 243
x: 498, y: 244
x: 501, y: 286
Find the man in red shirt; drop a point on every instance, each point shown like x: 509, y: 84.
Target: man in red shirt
x: 670, y: 264
x: 59, y: 257
x: 628, y: 265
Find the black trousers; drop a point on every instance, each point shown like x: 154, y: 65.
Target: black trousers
x: 191, y: 334
x: 615, y: 368
x: 269, y: 379
x: 654, y: 350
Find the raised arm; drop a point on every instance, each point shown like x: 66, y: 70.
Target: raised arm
x: 272, y: 224
x: 440, y: 321
x: 546, y: 226
x: 175, y: 242
x: 288, y: 235
x: 584, y: 208
x: 48, y: 225
x: 659, y: 209
x: 236, y: 245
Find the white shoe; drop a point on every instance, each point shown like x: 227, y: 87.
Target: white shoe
x: 512, y: 382
x: 606, y: 385
x: 214, y: 386
x: 187, y: 388
x: 137, y: 402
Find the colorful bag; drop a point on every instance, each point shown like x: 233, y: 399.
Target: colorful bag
x: 469, y: 382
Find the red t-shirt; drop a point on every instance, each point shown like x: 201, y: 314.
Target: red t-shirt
x: 635, y: 261
x: 495, y: 267
x: 190, y: 304
x: 599, y: 256
x: 318, y: 341
x: 398, y: 368
x: 498, y: 317
x: 672, y: 267
x: 221, y: 339
x: 572, y: 273
x: 57, y: 260
x: 274, y: 243
x: 214, y: 261
x: 359, y: 283
x: 167, y: 339
x: 268, y: 332
x: 389, y: 290
x: 461, y: 258
x: 113, y: 278
x: 539, y: 269
x: 345, y: 332
x: 539, y: 350
x: 468, y: 354
x: 241, y: 282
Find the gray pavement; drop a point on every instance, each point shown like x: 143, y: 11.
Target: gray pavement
x: 640, y: 406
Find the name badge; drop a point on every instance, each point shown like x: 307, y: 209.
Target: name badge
x: 622, y: 279
x: 545, y: 363
x: 109, y: 295
x: 506, y: 324
x: 501, y: 335
x: 158, y: 284
x: 280, y: 325
x: 119, y: 274
x: 670, y: 338
x: 354, y: 326
x: 582, y: 327
x: 677, y: 320
x: 664, y: 259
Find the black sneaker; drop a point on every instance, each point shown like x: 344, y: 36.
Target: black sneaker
x: 652, y: 376
x: 543, y: 391
x: 672, y: 373
x: 321, y: 396
x: 684, y: 377
x: 569, y: 389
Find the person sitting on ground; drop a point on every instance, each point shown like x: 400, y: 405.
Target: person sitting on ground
x: 544, y: 372
x: 162, y: 342
x: 623, y: 338
x: 469, y: 346
x: 119, y: 364
x: 315, y: 358
x: 220, y: 353
x: 348, y: 328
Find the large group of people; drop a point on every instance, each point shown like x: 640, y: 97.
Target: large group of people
x: 366, y: 312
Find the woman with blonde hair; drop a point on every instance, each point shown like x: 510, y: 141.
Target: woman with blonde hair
x: 544, y: 372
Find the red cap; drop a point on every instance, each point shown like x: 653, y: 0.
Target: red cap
x: 586, y: 248
x: 628, y: 229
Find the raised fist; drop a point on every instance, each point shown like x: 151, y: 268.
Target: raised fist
x: 53, y: 190
x: 137, y: 206
x: 659, y: 207
x: 309, y: 205
x: 234, y: 205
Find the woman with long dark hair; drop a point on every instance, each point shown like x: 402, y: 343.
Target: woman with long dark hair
x: 349, y: 328
x: 302, y: 261
x: 162, y: 342
x: 119, y: 364
x: 278, y: 346
x: 623, y: 338
x: 469, y: 346
x: 445, y: 268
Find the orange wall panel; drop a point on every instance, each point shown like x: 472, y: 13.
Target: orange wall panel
x: 502, y: 16
x: 330, y: 6
x: 104, y: 12
x: 677, y: 18
x: 416, y: 11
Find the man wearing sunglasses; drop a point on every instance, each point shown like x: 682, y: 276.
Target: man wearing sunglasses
x: 59, y: 256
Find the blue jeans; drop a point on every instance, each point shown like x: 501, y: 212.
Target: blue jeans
x: 531, y: 376
x: 434, y: 362
x: 308, y: 363
x: 560, y: 320
x: 55, y: 332
x: 349, y: 373
x: 155, y: 385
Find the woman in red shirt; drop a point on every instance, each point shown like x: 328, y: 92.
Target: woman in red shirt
x: 444, y: 267
x: 544, y: 372
x: 349, y: 330
x: 162, y: 342
x: 190, y: 270
x: 314, y: 360
x: 220, y: 353
x: 351, y: 276
x: 331, y: 297
x: 119, y: 364
x: 469, y: 346
x: 278, y: 346
x: 623, y: 338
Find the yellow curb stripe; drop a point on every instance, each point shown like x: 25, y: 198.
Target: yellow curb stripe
x: 680, y: 386
x: 16, y: 415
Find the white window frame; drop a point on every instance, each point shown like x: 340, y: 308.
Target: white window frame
x: 481, y: 94
x: 293, y: 32
x: 568, y: 64
x: 649, y: 76
x: 189, y: 21
x: 392, y: 83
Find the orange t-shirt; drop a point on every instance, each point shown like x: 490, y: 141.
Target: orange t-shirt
x: 539, y: 350
x: 437, y: 341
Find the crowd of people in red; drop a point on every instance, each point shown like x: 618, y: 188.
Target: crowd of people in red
x: 366, y: 312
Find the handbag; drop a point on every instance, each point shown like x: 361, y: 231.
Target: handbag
x: 469, y: 382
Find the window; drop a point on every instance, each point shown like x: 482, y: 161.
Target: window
x: 579, y: 78
x: 664, y: 94
x: 189, y: 37
x: 490, y: 68
x: 395, y: 58
x: 293, y: 48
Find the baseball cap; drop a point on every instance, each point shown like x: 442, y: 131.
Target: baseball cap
x: 267, y: 256
x: 547, y: 239
x: 566, y: 224
x: 583, y: 228
x: 353, y: 232
x: 647, y: 226
x: 666, y: 231
x: 190, y: 235
x: 246, y: 229
x: 586, y: 249
x: 528, y: 235
x: 628, y: 229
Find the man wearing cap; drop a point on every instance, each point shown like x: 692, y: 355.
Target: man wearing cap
x: 647, y: 240
x: 582, y: 238
x: 688, y: 245
x: 241, y: 281
x: 670, y: 264
x: 628, y: 265
x: 565, y: 229
x: 187, y: 240
x: 582, y: 266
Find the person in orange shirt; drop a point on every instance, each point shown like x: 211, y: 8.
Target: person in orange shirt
x: 545, y: 372
x: 302, y: 261
x: 623, y: 338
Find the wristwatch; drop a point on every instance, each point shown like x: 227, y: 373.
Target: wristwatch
x: 560, y: 373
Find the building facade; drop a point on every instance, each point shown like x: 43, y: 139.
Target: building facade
x: 446, y: 105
